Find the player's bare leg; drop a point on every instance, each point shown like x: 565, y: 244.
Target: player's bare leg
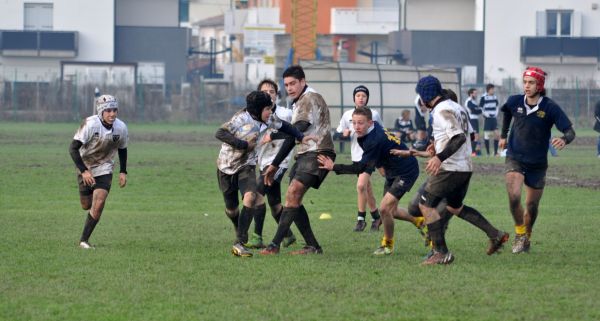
x: 388, y: 207
x: 532, y: 202
x: 514, y: 184
x: 372, y: 203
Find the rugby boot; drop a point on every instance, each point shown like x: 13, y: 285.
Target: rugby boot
x: 86, y: 246
x: 271, y: 249
x: 520, y: 244
x: 497, y: 243
x: 307, y: 250
x: 289, y: 240
x: 360, y: 226
x: 439, y: 258
x: 256, y: 242
x: 375, y: 225
x: 239, y: 249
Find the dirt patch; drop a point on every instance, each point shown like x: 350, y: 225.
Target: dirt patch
x: 556, y: 175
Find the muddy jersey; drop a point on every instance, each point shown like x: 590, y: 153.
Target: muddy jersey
x: 311, y: 107
x: 346, y: 123
x: 450, y: 119
x: 267, y: 152
x: 100, y: 144
x: 243, y: 127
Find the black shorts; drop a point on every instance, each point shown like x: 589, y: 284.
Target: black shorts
x: 243, y: 181
x: 306, y: 169
x: 272, y: 192
x: 490, y: 124
x: 535, y: 176
x: 369, y: 170
x: 399, y: 185
x: 475, y: 125
x: 452, y: 186
x: 102, y: 182
x: 413, y: 206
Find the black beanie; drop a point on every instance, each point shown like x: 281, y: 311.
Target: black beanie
x: 256, y: 101
x: 359, y: 89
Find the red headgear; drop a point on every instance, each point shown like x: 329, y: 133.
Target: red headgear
x: 538, y: 74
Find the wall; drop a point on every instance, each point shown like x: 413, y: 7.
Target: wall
x: 502, y: 45
x: 440, y: 15
x: 148, y: 13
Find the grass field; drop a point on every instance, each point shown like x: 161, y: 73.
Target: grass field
x: 163, y: 244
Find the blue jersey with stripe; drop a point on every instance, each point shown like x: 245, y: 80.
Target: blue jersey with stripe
x: 531, y: 128
x: 376, y: 147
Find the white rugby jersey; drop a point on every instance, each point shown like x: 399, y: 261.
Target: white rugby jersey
x: 267, y: 152
x: 449, y: 119
x: 243, y: 127
x: 346, y: 123
x: 311, y: 107
x: 100, y: 144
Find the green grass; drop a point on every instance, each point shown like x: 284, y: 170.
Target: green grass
x: 163, y: 244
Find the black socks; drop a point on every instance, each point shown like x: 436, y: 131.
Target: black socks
x: 88, y: 228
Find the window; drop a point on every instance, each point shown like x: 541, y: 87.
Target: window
x: 558, y: 23
x: 38, y: 16
x: 184, y: 11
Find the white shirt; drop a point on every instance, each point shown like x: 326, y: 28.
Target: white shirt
x: 449, y: 119
x: 267, y: 152
x: 100, y: 144
x: 346, y: 123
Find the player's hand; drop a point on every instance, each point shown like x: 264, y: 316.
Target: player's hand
x: 309, y: 138
x: 266, y: 139
x: 252, y: 140
x: 122, y: 179
x: 430, y: 149
x: 433, y: 166
x: 88, y: 178
x: 400, y: 152
x: 558, y: 143
x: 421, y: 153
x: 325, y: 162
x: 346, y: 132
x: 270, y: 174
x: 502, y: 143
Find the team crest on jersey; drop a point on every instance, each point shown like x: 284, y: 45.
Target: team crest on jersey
x: 96, y: 135
x: 520, y: 110
x: 541, y: 114
x: 115, y: 138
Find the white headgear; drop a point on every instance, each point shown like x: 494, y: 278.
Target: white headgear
x: 105, y: 102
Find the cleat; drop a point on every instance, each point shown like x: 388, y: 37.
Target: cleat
x: 384, y: 250
x: 256, y: 242
x: 271, y: 249
x: 307, y: 250
x: 360, y: 226
x: 289, y: 240
x: 497, y: 243
x: 375, y: 225
x: 86, y: 246
x: 520, y: 244
x: 439, y: 258
x: 428, y: 255
x: 239, y: 249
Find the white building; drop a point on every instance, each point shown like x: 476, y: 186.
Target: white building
x: 560, y: 36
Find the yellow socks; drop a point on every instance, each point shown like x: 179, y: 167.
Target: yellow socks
x: 520, y: 229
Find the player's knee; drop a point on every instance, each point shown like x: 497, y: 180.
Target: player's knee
x: 250, y: 199
x: 361, y: 187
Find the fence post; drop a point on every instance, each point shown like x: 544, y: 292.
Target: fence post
x: 577, y: 98
x: 14, y: 96
x: 140, y: 99
x: 74, y: 106
x: 202, y: 101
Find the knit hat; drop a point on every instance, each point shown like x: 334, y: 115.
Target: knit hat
x: 106, y: 102
x: 428, y: 88
x: 360, y: 88
x: 256, y: 101
x: 538, y: 74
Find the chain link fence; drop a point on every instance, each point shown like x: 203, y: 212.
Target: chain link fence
x: 214, y: 101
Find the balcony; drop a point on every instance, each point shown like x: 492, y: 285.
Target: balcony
x: 59, y: 44
x: 560, y: 50
x: 364, y: 21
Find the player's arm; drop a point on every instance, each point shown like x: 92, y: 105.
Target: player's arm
x: 355, y: 168
x: 122, y: 152
x: 288, y: 143
x: 226, y: 137
x: 75, y: 156
x: 506, y: 119
x: 452, y: 146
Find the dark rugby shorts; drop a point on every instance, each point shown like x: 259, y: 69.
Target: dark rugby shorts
x: 272, y: 192
x: 243, y: 181
x: 399, y: 185
x: 535, y: 176
x: 306, y: 169
x: 102, y: 182
x: 452, y: 186
x: 475, y: 125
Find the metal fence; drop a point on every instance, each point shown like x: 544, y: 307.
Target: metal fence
x: 214, y: 101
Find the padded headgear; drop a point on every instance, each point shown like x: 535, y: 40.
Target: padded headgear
x: 360, y: 88
x: 428, y: 88
x: 105, y: 102
x: 256, y: 101
x: 538, y: 74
